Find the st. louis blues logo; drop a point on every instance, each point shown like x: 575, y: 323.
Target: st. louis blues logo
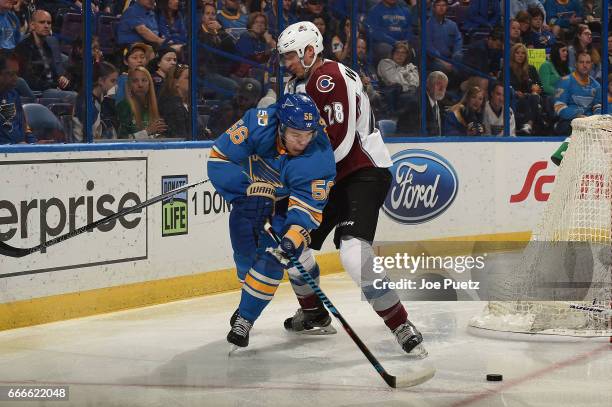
x: 325, y: 84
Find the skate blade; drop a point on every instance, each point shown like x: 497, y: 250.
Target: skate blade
x: 419, y: 352
x: 324, y: 330
x: 233, y: 348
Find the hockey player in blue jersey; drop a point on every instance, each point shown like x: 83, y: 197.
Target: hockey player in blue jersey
x: 274, y: 164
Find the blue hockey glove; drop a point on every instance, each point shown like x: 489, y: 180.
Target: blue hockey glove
x: 295, y: 240
x: 258, y: 205
x: 248, y: 216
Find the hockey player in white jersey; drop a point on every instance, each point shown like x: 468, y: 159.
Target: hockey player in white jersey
x: 362, y: 181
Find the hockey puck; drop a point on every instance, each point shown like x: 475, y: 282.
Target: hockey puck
x: 494, y: 377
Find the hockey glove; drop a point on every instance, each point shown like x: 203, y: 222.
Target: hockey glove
x: 258, y: 205
x: 557, y: 157
x: 294, y: 241
x: 248, y: 216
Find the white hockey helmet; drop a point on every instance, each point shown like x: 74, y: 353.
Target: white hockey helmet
x: 297, y: 37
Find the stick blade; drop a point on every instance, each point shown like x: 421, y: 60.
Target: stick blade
x: 11, y: 251
x: 414, y: 378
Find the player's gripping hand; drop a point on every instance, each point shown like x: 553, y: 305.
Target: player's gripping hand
x: 258, y: 204
x: 293, y: 242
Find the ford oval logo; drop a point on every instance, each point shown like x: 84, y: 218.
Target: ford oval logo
x: 424, y: 185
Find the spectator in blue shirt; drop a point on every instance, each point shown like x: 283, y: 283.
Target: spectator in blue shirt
x: 538, y: 37
x: 231, y: 19
x: 9, y: 25
x: 171, y: 22
x: 482, y: 15
x: 139, y: 24
x: 12, y: 119
x: 564, y: 13
x: 388, y: 23
x: 256, y: 45
x: 444, y: 39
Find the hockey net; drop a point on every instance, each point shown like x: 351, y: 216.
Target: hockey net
x: 578, y: 211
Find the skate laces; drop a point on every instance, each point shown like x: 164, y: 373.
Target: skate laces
x: 405, y: 331
x: 241, y: 326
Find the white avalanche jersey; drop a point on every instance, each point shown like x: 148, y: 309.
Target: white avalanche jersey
x: 344, y: 105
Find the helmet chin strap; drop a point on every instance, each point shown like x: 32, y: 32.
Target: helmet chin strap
x: 281, y: 135
x: 307, y: 67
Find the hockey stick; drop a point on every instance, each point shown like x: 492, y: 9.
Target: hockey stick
x: 393, y: 381
x: 7, y: 250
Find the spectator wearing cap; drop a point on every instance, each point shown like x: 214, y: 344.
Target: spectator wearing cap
x: 136, y: 56
x: 13, y: 128
x: 485, y: 55
x: 139, y: 24
x: 289, y: 17
x: 171, y: 22
x: 245, y: 98
x: 538, y: 36
x: 387, y: 23
x: 214, y: 67
x: 482, y: 15
x: 40, y: 61
x: 444, y: 39
x: 160, y: 66
x: 9, y: 25
x: 231, y: 18
x: 174, y: 102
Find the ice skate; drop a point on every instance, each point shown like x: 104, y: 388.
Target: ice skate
x: 233, y: 317
x: 315, y: 322
x: 239, y: 335
x: 410, y: 339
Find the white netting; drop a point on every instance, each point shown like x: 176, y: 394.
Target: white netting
x: 578, y: 210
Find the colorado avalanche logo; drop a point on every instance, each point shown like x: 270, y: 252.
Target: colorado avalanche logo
x: 325, y: 84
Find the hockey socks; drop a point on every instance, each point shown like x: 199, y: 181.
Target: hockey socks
x: 259, y: 287
x: 357, y: 258
x: 306, y: 297
x: 394, y: 316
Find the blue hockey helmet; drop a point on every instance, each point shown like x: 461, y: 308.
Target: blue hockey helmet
x: 298, y: 111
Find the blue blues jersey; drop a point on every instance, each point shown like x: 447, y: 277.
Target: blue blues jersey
x: 574, y: 97
x: 251, y: 151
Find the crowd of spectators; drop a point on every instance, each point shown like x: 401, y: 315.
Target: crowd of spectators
x: 141, y: 87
